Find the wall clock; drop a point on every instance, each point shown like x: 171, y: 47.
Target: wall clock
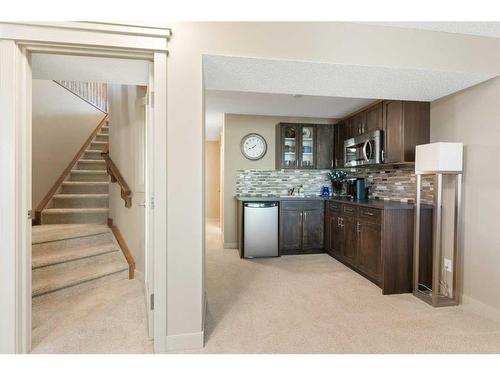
x: 253, y: 146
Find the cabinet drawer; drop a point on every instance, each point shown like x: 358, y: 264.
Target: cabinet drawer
x: 370, y: 214
x: 334, y: 206
x: 349, y: 210
x: 302, y: 205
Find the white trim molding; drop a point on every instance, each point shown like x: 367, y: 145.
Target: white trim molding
x: 185, y: 341
x: 17, y: 42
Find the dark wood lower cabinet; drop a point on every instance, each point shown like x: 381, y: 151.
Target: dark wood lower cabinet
x: 350, y: 248
x: 290, y: 230
x: 301, y: 227
x: 369, y: 249
x: 377, y: 243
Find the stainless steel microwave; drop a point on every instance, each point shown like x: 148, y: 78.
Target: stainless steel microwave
x: 365, y: 149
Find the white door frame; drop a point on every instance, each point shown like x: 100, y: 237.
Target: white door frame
x: 17, y: 42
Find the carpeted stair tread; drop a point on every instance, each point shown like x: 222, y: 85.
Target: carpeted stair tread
x: 43, y: 257
x: 88, y: 171
x: 63, y: 275
x: 84, y: 183
x: 81, y: 196
x: 54, y: 211
x: 58, y: 232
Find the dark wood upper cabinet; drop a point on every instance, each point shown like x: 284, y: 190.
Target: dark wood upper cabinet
x: 357, y: 124
x: 325, y: 135
x: 287, y: 146
x: 339, y: 137
x: 373, y: 118
x: 304, y: 146
x: 405, y: 125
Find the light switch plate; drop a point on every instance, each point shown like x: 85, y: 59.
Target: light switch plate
x: 447, y: 265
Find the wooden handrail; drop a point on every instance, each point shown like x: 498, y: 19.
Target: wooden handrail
x: 116, y: 176
x: 57, y: 185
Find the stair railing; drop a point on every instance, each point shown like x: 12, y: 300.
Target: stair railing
x: 65, y: 173
x: 116, y: 176
x: 94, y: 93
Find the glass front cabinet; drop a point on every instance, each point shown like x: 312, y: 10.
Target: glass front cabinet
x: 295, y: 146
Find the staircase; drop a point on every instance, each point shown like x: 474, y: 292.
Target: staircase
x: 67, y: 258
x: 73, y: 249
x: 84, y: 196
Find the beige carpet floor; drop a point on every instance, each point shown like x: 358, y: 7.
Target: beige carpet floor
x: 293, y: 304
x: 314, y: 304
x: 110, y: 318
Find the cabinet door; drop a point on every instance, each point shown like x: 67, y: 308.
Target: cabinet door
x: 307, y: 149
x: 288, y: 146
x: 339, y: 137
x: 358, y: 124
x: 312, y: 229
x: 335, y: 237
x: 393, y: 131
x: 290, y: 230
x: 374, y: 118
x: 324, y: 147
x: 350, y: 238
x: 369, y: 249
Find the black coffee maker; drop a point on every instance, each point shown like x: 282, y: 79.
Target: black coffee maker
x: 356, y: 188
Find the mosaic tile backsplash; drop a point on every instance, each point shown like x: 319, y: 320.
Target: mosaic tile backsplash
x: 385, y: 182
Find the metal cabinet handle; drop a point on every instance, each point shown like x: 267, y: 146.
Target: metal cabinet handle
x: 368, y: 213
x: 348, y: 209
x: 358, y: 227
x: 143, y: 204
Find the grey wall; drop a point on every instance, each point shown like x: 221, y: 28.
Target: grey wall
x: 125, y: 149
x: 473, y: 117
x: 61, y: 123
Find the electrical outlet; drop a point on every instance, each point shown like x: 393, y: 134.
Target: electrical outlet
x: 447, y: 265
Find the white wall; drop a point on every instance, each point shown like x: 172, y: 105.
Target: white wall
x: 126, y: 147
x: 321, y: 42
x: 62, y: 122
x: 473, y: 117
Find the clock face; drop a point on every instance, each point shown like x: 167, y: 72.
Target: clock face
x: 253, y: 146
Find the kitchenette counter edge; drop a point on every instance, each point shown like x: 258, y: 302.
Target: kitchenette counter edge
x: 372, y: 203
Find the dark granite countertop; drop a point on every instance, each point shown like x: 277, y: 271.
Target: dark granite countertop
x: 373, y: 203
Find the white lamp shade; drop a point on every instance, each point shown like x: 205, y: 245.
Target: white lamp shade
x: 439, y: 157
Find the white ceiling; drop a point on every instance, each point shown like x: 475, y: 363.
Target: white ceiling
x: 489, y: 29
x: 264, y: 86
x: 90, y: 69
x: 253, y: 103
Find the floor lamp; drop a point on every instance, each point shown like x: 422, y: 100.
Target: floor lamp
x: 437, y: 159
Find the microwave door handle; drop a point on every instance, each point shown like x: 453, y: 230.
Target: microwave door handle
x: 364, y: 150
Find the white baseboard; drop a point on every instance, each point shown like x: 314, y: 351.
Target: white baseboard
x: 477, y: 307
x: 185, y: 341
x: 230, y: 245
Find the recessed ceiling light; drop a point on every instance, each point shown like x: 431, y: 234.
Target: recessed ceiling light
x: 297, y: 96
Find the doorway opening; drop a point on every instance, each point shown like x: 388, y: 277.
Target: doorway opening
x: 92, y: 256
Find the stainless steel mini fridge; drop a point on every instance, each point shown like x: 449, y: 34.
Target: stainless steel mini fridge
x: 260, y: 229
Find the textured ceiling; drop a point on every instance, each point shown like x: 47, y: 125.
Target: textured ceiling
x: 340, y: 80
x: 265, y: 87
x: 250, y: 103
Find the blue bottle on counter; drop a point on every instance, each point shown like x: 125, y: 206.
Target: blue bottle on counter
x: 326, y: 191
